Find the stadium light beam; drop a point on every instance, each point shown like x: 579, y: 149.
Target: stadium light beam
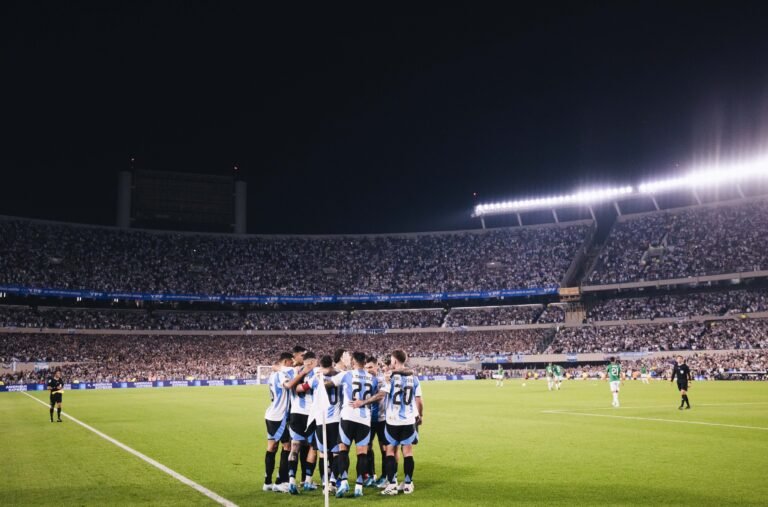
x: 709, y: 176
x: 583, y: 198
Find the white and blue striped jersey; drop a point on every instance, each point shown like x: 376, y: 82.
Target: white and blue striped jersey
x: 402, y: 391
x: 334, y: 398
x: 301, y: 403
x: 379, y: 412
x: 280, y: 404
x: 356, y: 385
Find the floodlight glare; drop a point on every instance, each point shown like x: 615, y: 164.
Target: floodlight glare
x: 584, y: 197
x: 710, y: 176
x: 699, y: 177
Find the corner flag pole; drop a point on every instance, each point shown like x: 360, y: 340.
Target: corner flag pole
x: 327, y: 488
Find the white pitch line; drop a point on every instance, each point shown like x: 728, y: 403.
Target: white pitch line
x: 655, y: 419
x: 668, y: 405
x: 189, y: 482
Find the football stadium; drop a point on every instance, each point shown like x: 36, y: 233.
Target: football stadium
x: 570, y: 344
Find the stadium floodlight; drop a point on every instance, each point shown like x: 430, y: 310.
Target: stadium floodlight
x: 710, y: 176
x: 583, y: 198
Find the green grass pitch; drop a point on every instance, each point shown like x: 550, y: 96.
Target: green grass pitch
x: 481, y: 445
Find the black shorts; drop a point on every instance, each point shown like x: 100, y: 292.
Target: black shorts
x: 298, y: 428
x: 682, y: 386
x: 55, y: 397
x: 332, y: 429
x: 351, y: 431
x: 378, y: 430
x: 277, y: 430
x: 401, y: 435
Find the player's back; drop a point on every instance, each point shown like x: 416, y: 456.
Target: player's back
x: 356, y: 385
x: 280, y: 399
x: 614, y: 372
x: 301, y: 403
x: 401, y: 400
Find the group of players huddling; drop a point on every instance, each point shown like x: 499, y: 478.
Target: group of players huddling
x: 366, y: 400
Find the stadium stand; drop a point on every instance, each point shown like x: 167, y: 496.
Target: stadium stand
x: 53, y: 255
x: 696, y: 241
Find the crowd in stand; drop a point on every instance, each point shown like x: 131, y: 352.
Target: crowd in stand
x: 36, y: 254
x: 123, y: 357
x: 610, y: 339
x: 681, y: 305
x: 713, y: 335
x: 692, y: 242
x: 59, y: 318
x: 174, y: 357
x: 552, y: 314
x: 395, y: 319
x: 493, y: 316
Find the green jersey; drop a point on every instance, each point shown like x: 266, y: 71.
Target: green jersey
x: 559, y: 370
x: 500, y: 371
x: 643, y: 370
x: 549, y: 369
x: 614, y: 372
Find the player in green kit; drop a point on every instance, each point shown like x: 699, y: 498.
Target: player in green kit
x: 559, y: 372
x: 550, y: 372
x: 613, y: 372
x: 499, y: 376
x: 644, y: 377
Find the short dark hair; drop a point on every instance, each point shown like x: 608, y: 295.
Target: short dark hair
x: 400, y: 355
x: 326, y: 361
x: 612, y: 359
x: 285, y: 356
x: 337, y: 355
x: 309, y: 355
x: 387, y: 361
x: 298, y: 349
x: 371, y: 359
x: 359, y: 357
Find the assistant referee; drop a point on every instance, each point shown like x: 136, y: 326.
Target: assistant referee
x: 683, y: 375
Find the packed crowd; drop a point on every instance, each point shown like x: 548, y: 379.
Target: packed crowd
x: 76, y: 257
x: 395, y: 319
x: 176, y: 320
x: 493, y: 315
x: 124, y: 357
x: 692, y: 242
x: 681, y: 305
x: 552, y: 314
x: 714, y: 335
x: 610, y: 339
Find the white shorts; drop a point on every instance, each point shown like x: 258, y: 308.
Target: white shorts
x: 496, y: 376
x: 615, y: 385
x: 559, y: 378
x: 645, y: 375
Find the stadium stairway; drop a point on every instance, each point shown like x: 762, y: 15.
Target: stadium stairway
x: 549, y: 337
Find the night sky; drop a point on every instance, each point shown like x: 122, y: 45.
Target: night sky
x: 370, y: 117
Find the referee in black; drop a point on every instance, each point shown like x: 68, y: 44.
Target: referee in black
x: 56, y: 387
x: 683, y: 375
